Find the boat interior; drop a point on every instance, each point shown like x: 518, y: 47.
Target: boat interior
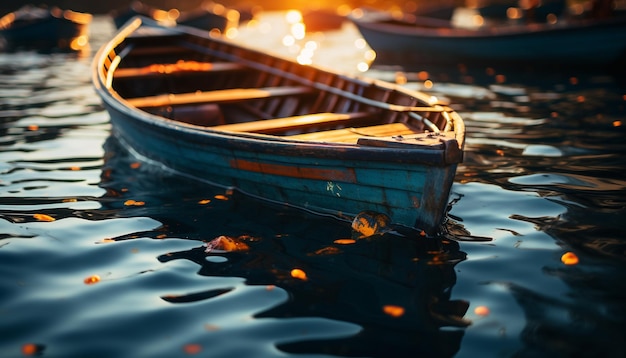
x: 218, y: 86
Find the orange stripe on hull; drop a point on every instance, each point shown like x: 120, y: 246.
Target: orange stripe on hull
x: 343, y: 175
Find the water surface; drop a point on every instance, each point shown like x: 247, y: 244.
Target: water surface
x: 102, y: 254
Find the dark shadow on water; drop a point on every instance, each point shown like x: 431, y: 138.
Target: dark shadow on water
x: 367, y: 283
x: 397, y: 289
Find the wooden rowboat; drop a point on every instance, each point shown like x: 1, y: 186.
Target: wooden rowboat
x: 38, y: 27
x: 582, y: 42
x: 277, y: 129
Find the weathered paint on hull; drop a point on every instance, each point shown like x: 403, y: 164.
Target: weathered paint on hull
x: 411, y: 194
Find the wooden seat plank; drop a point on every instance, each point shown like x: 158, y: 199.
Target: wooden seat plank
x: 351, y: 135
x: 270, y: 126
x: 217, y: 96
x: 182, y: 67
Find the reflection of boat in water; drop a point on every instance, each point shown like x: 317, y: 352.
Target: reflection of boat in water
x: 277, y: 129
x: 573, y: 41
x: 397, y: 290
x: 208, y: 16
x: 42, y: 28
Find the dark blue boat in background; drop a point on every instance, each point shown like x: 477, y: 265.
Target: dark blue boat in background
x: 575, y: 41
x: 279, y: 130
x: 43, y: 28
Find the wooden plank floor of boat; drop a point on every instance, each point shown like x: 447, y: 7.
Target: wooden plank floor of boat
x: 352, y: 135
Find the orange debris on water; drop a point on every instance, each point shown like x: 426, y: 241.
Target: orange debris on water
x: 393, y: 310
x: 75, y: 168
x: 344, y: 241
x: 299, y: 274
x: 33, y: 127
x: 29, y: 349
x: 43, y: 217
x: 131, y: 202
x: 204, y: 201
x: 135, y: 165
x: 370, y: 223
x: 481, y: 311
x: 221, y: 197
x: 93, y: 279
x: 192, y: 348
x: 227, y: 243
x: 617, y: 123
x: 569, y: 258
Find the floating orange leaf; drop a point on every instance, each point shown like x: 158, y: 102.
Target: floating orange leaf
x: 481, y: 311
x: 131, y: 202
x: 370, y: 223
x: 393, y: 310
x: 299, y: 274
x: 135, y: 165
x: 92, y: 280
x: 33, y: 127
x: 344, y: 241
x: 227, y: 243
x: 43, y: 217
x: 617, y: 123
x: 569, y: 258
x: 30, y: 349
x: 204, y: 201
x: 221, y: 197
x: 192, y: 348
